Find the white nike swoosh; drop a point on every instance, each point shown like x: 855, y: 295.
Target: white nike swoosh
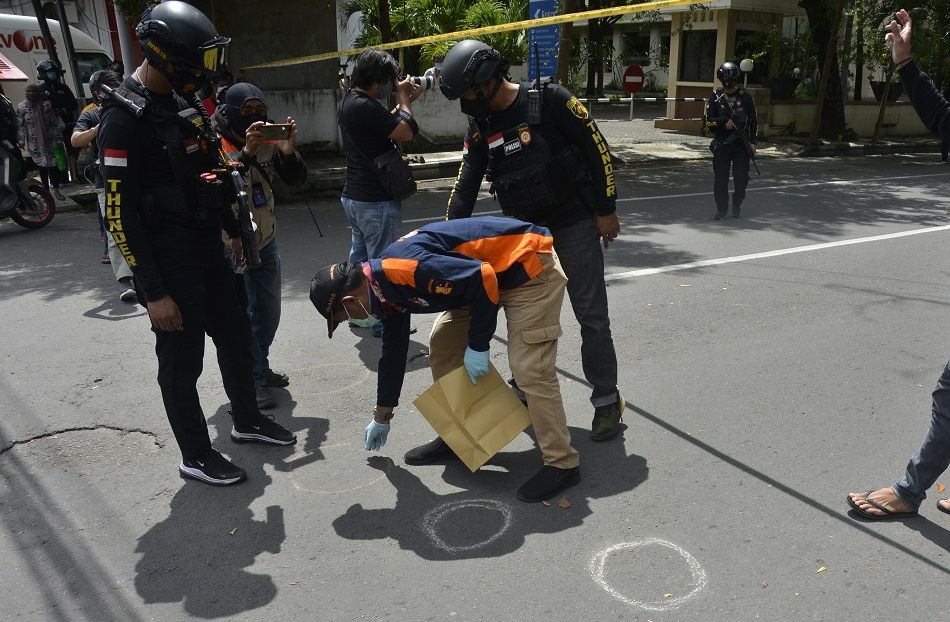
x: 201, y: 464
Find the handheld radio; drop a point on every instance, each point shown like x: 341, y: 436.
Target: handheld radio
x: 535, y: 93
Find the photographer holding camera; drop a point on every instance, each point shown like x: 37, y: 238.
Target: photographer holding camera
x: 165, y: 208
x: 369, y: 131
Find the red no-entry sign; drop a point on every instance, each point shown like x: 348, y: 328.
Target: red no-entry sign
x: 633, y: 79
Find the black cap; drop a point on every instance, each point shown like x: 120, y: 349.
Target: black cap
x: 326, y: 290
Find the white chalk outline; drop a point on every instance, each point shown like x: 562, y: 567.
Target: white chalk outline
x: 303, y: 488
x: 599, y: 560
x: 434, y: 516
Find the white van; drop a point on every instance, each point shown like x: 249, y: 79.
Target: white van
x: 22, y: 42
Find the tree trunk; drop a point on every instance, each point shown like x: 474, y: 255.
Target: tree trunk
x: 822, y: 17
x: 859, y: 49
x: 564, y: 43
x: 593, y: 48
x: 385, y: 30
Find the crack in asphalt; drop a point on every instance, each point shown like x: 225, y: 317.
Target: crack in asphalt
x: 82, y: 429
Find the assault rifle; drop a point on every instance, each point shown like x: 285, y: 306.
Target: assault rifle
x: 740, y: 119
x: 248, y: 228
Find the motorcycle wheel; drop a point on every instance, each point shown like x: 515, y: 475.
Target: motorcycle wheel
x: 36, y: 209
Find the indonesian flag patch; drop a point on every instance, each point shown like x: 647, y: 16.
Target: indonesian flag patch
x: 496, y: 141
x: 115, y: 157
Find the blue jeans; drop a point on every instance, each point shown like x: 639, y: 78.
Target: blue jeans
x: 263, y: 307
x: 578, y: 248
x: 375, y: 226
x: 933, y: 457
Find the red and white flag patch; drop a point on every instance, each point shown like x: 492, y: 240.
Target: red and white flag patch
x: 115, y: 157
x: 495, y: 141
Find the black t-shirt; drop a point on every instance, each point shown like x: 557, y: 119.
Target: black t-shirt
x: 366, y: 126
x: 87, y: 121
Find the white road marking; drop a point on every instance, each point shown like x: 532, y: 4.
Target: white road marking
x: 791, y: 186
x: 784, y: 251
x: 431, y: 520
x: 599, y: 560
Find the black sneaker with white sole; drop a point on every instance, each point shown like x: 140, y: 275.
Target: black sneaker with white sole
x: 264, y: 430
x: 211, y: 468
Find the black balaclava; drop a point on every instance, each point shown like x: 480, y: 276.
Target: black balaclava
x: 234, y: 98
x: 480, y: 107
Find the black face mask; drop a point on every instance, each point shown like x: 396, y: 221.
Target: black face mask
x: 184, y: 81
x: 480, y: 107
x: 244, y: 122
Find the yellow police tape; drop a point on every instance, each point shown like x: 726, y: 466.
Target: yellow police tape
x: 484, y: 30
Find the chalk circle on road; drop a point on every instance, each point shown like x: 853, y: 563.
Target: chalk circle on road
x: 432, y: 519
x: 329, y: 378
x: 300, y: 481
x: 599, y: 561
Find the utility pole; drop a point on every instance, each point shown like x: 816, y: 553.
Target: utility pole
x: 70, y: 50
x: 47, y: 35
x: 126, y: 48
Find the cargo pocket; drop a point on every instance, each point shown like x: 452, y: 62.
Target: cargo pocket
x: 539, y: 351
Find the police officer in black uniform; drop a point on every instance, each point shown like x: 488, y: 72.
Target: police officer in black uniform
x: 730, y: 114
x: 165, y: 209
x: 549, y: 165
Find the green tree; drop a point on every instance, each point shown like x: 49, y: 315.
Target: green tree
x: 421, y: 18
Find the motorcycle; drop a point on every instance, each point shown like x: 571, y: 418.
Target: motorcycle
x: 22, y: 198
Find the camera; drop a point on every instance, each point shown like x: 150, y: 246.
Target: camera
x: 426, y: 80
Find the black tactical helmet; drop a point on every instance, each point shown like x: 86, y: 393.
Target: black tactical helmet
x: 469, y: 62
x: 177, y: 33
x: 45, y: 66
x: 729, y: 72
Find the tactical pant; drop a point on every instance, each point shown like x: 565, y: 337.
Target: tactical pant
x: 533, y: 314
x: 208, y: 301
x: 735, y: 156
x: 578, y: 249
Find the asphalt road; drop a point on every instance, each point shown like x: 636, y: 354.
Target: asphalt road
x: 762, y: 387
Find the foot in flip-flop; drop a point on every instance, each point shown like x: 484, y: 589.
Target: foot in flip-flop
x: 944, y: 505
x: 881, y: 504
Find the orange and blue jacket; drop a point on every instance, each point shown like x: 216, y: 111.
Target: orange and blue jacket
x: 448, y: 265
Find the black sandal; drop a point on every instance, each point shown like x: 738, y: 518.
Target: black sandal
x: 888, y: 513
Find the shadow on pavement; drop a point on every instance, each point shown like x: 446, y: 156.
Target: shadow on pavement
x: 486, y: 519
x: 198, y: 555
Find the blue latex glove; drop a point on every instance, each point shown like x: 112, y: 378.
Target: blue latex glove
x: 375, y: 436
x: 476, y: 363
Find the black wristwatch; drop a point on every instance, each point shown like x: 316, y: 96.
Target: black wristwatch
x: 379, y: 417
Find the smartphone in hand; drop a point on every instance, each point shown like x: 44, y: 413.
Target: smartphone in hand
x: 276, y: 131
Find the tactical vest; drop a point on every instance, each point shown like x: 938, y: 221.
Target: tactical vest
x: 529, y: 181
x: 259, y: 189
x: 193, y: 151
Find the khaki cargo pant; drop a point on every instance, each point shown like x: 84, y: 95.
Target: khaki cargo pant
x: 533, y: 312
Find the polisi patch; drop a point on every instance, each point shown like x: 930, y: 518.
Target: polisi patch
x: 512, y: 146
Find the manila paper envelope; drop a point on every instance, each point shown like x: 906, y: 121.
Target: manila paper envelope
x: 475, y: 420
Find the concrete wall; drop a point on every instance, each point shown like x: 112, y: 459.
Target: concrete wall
x: 315, y: 110
x: 900, y: 119
x: 275, y: 30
